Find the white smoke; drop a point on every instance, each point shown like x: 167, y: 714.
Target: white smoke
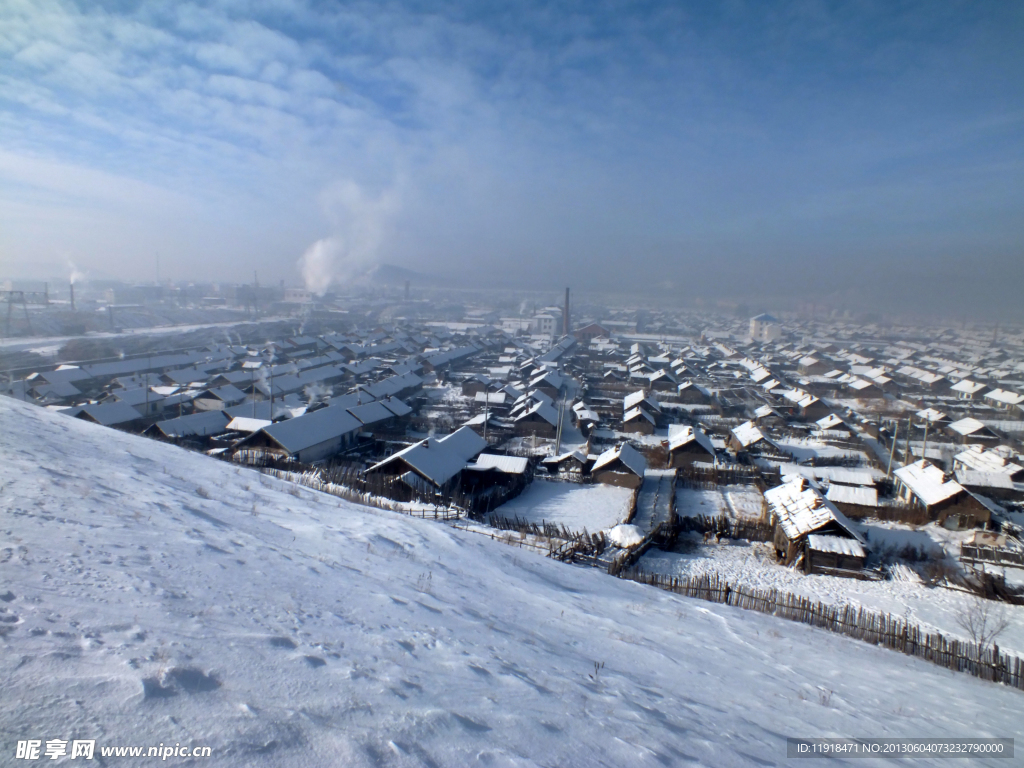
x: 360, y: 222
x: 76, y: 274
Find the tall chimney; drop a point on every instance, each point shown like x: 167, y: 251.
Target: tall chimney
x: 72, y: 297
x: 565, y: 315
x: 406, y: 290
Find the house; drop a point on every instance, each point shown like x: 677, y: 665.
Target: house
x: 194, y: 425
x: 765, y: 328
x: 432, y: 465
x: 142, y: 399
x: 508, y: 473
x: 944, y: 499
x: 854, y: 500
x: 575, y: 462
x: 811, y: 532
x: 219, y: 398
x: 1005, y: 400
x: 639, y: 421
x: 747, y: 437
x: 588, y: 333
x: 687, y: 444
x: 623, y: 466
x: 113, y: 413
x: 971, y: 430
x: 965, y: 389
x: 540, y: 418
x: 307, y: 438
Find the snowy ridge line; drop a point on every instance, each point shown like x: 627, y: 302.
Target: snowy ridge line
x: 312, y: 479
x: 985, y: 662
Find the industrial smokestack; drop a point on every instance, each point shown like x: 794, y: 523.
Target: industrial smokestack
x: 406, y: 290
x: 565, y: 315
x: 72, y: 297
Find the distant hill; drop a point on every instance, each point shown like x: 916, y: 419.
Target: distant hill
x: 390, y: 274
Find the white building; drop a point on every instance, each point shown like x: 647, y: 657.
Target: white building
x: 765, y: 328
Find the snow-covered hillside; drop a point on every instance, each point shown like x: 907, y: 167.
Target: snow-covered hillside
x: 151, y: 595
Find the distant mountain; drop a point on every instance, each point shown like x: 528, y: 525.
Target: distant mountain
x: 390, y: 274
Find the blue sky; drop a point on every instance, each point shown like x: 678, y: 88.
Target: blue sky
x: 701, y: 148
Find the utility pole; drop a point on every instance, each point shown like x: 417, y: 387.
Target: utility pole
x: 924, y: 450
x: 906, y: 451
x: 892, y: 448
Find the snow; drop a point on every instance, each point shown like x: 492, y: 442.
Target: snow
x: 754, y: 565
x: 739, y: 501
x: 595, y: 507
x: 152, y: 595
x: 625, y: 535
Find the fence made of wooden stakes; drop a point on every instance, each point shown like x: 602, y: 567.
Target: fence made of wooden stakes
x: 723, y: 527
x: 985, y: 662
x: 312, y: 479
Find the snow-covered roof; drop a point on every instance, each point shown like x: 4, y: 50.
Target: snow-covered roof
x: 429, y: 459
x: 930, y: 414
x: 967, y: 387
x: 966, y: 426
x: 835, y: 544
x: 828, y: 422
x: 800, y: 509
x: 747, y: 434
x: 927, y: 482
x: 464, y: 443
x: 1005, y: 396
x: 247, y: 424
x: 310, y: 429
x: 864, y: 496
x: 970, y: 477
x: 630, y: 457
x: 683, y: 434
x: 634, y: 399
x: 637, y: 413
x: 510, y: 465
x: 977, y: 459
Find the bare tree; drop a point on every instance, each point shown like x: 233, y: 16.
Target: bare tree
x: 984, y: 620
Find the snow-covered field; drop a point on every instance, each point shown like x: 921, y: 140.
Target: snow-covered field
x: 151, y: 595
x: 753, y: 564
x: 740, y: 501
x: 805, y: 448
x: 595, y: 507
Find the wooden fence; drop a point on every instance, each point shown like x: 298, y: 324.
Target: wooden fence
x: 313, y: 479
x: 723, y: 527
x: 707, y: 476
x: 987, y: 662
x: 972, y: 554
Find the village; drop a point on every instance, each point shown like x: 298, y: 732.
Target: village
x: 841, y: 461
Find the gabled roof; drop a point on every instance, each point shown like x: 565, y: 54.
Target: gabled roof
x: 680, y: 435
x: 747, y: 434
x: 199, y: 424
x: 967, y: 426
x: 310, y: 429
x: 464, y: 442
x: 800, y: 510
x: 510, y: 465
x: 927, y: 482
x: 629, y: 456
x: 108, y: 413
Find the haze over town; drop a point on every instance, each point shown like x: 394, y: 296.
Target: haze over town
x: 576, y: 384
x: 868, y: 153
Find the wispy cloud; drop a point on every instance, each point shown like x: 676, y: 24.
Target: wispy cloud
x: 574, y: 138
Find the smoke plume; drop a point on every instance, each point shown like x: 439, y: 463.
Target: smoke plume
x: 360, y: 222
